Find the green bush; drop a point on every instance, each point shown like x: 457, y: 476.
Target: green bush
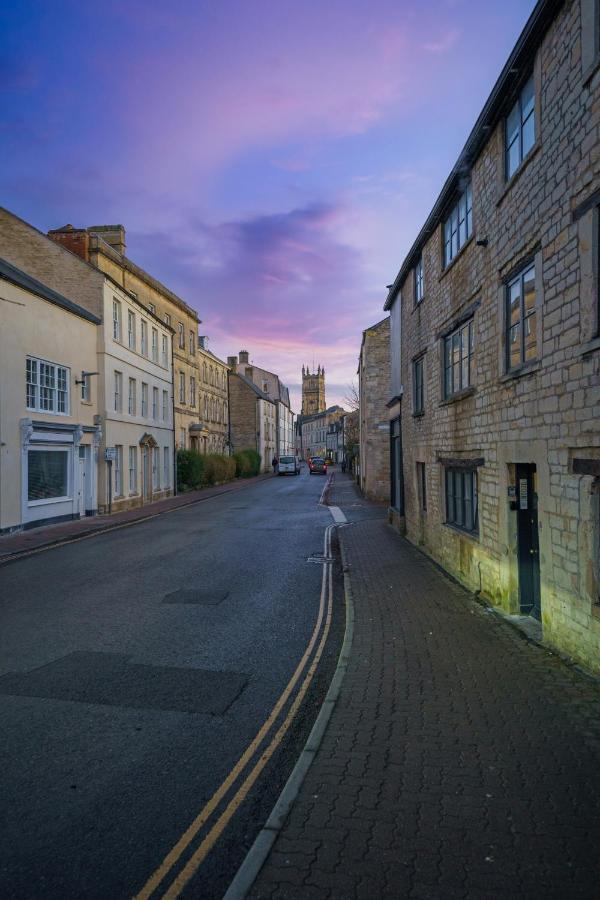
x: 218, y: 469
x: 190, y: 470
x: 247, y: 463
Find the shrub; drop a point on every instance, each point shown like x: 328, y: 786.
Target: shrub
x: 190, y: 470
x: 247, y: 463
x: 218, y: 469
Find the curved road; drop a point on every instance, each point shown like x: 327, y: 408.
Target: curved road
x: 136, y: 668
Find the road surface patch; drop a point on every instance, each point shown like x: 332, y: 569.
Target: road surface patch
x: 109, y: 679
x: 202, y: 598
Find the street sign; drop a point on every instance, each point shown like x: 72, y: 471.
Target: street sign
x: 110, y: 454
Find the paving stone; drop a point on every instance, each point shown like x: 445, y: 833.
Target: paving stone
x: 460, y: 760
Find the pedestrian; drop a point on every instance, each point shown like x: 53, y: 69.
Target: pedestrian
x: 344, y: 466
x: 274, y: 463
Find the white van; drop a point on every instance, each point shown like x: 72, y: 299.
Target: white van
x: 288, y: 466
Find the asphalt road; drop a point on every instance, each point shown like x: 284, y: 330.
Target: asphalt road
x: 135, y: 669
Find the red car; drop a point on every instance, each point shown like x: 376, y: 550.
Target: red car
x: 317, y: 465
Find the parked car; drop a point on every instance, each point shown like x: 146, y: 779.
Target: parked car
x: 288, y: 465
x: 317, y: 465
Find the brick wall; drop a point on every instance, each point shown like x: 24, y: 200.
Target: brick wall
x: 548, y: 413
x: 374, y: 386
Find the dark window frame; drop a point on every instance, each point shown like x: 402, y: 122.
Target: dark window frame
x: 422, y: 486
x: 462, y: 512
x: 523, y: 154
x: 461, y: 212
x: 419, y: 281
x: 519, y: 277
x: 418, y: 386
x: 452, y: 341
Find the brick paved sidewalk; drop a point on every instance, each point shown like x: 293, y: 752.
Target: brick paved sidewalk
x: 12, y: 545
x: 460, y: 761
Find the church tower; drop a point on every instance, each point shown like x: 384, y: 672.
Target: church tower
x: 313, y: 391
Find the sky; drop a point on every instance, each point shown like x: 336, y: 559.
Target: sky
x: 272, y: 161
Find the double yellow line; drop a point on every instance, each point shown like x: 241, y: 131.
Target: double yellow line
x: 307, y: 667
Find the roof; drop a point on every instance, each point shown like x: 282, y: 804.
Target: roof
x: 495, y: 107
x: 251, y: 385
x: 10, y: 273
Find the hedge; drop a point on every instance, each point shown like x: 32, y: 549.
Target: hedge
x: 247, y: 463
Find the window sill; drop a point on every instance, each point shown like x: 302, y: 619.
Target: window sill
x: 49, y: 501
x: 420, y: 302
x: 508, y: 185
x: 521, y: 372
x: 418, y: 415
x: 471, y: 535
x: 457, y: 257
x: 460, y: 395
x: 86, y: 403
x: 590, y: 346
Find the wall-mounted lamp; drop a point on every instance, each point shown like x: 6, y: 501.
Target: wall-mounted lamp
x: 84, y: 375
x: 482, y: 243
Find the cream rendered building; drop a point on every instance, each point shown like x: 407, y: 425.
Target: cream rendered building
x: 213, y: 404
x: 49, y: 438
x: 104, y: 247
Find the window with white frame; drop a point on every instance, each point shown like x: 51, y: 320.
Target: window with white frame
x: 131, y: 400
x: 167, y: 319
x: 86, y: 388
x: 192, y: 343
x: 166, y: 467
x: 118, y: 393
x: 458, y: 359
x: 192, y: 391
x: 47, y: 386
x: 118, y: 470
x: 152, y: 308
x: 165, y: 351
x: 520, y: 129
x: 116, y: 319
x: 155, y: 403
x: 182, y: 387
x: 154, y: 345
x: 144, y: 338
x: 181, y: 331
x: 47, y: 475
x: 458, y: 226
x: 133, y: 454
x: 521, y: 338
x: 155, y: 468
x: 131, y: 329
x: 144, y: 399
x: 165, y: 406
x: 419, y: 286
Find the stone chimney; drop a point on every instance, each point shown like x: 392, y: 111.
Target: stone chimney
x: 114, y: 235
x: 244, y: 357
x: 232, y: 362
x: 77, y: 240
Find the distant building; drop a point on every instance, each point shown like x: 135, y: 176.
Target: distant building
x: 271, y: 385
x: 313, y: 391
x: 494, y: 400
x: 49, y: 436
x: 212, y: 431
x: 252, y: 418
x: 374, y: 429
x: 313, y: 431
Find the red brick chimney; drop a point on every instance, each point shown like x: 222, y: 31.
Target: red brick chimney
x: 77, y: 240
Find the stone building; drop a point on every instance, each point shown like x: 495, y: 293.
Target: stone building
x: 374, y: 428
x: 252, y: 418
x: 271, y: 385
x: 494, y: 398
x: 132, y: 384
x: 313, y: 391
x: 212, y: 431
x: 49, y: 436
x: 104, y: 247
x: 313, y: 432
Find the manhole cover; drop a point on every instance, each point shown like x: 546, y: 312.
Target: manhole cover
x: 204, y: 598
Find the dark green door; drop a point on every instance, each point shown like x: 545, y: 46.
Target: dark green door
x: 528, y: 542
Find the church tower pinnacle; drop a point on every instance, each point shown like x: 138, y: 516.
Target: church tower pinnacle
x: 313, y: 391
